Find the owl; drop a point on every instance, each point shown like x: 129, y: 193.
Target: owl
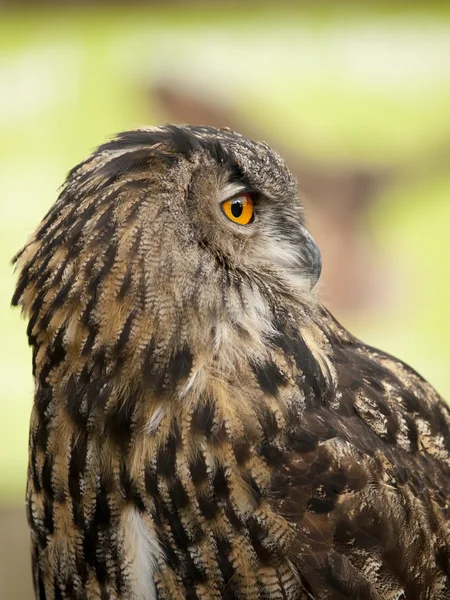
x: 202, y: 427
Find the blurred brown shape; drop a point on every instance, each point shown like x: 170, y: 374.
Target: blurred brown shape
x: 15, y: 555
x: 337, y: 199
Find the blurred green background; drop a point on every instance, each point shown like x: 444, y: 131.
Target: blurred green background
x: 358, y: 97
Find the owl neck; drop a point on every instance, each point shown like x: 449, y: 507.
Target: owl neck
x: 236, y: 377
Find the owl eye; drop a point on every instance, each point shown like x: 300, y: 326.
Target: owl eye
x: 239, y: 209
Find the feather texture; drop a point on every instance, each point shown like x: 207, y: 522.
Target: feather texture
x: 202, y: 427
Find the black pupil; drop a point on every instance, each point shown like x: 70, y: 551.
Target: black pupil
x: 237, y: 207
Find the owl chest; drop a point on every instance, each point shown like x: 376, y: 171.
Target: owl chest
x: 213, y: 550
x: 214, y: 527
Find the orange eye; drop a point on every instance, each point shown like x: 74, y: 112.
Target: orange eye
x: 239, y: 209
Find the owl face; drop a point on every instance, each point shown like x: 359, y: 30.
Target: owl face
x: 265, y: 235
x: 168, y: 238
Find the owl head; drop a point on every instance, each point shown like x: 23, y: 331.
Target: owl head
x: 163, y: 240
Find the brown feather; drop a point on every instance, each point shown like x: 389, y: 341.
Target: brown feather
x: 202, y: 427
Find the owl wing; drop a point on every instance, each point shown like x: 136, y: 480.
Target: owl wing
x: 367, y: 482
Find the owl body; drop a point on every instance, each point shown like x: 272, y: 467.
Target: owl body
x: 202, y: 427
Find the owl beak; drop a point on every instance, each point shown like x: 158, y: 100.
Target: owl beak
x: 311, y: 258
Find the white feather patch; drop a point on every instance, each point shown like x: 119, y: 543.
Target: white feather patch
x: 142, y: 552
x: 230, y: 190
x: 155, y: 420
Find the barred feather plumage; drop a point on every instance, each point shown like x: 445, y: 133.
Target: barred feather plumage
x: 202, y: 427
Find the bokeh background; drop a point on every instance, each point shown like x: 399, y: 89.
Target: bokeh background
x: 357, y: 98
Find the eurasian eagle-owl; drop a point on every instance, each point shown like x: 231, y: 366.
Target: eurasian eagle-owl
x: 202, y: 427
